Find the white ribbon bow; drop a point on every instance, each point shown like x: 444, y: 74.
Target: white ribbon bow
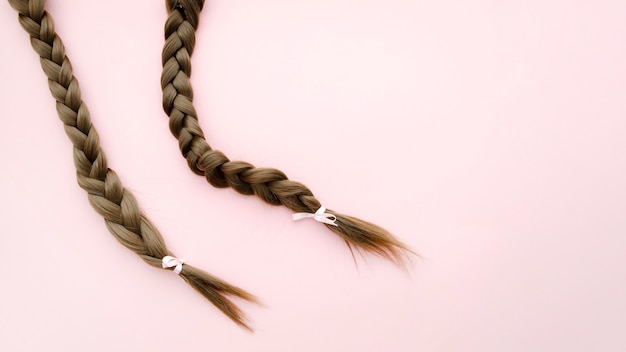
x: 320, y: 215
x: 169, y: 261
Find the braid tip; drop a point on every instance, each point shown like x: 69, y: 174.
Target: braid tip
x: 371, y: 238
x: 219, y: 293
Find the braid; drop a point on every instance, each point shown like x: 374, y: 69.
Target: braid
x: 271, y: 185
x: 106, y: 194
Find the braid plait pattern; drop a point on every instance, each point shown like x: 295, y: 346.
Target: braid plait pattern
x: 269, y: 184
x: 105, y: 191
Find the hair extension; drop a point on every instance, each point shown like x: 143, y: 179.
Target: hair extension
x: 271, y: 185
x: 105, y: 192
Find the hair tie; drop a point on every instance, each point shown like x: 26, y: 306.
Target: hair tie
x: 320, y: 215
x: 169, y: 261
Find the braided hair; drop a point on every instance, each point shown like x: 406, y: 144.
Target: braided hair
x: 105, y: 191
x: 269, y: 184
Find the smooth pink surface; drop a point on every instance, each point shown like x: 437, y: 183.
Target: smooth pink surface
x: 487, y: 135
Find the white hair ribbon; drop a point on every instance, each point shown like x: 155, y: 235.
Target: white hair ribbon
x: 320, y: 215
x: 169, y: 261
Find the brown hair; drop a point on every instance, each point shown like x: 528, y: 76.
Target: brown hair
x: 271, y: 185
x: 105, y: 192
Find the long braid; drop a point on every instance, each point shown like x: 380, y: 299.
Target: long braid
x: 271, y: 185
x: 106, y: 194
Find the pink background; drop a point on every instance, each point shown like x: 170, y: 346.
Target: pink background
x: 487, y: 135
